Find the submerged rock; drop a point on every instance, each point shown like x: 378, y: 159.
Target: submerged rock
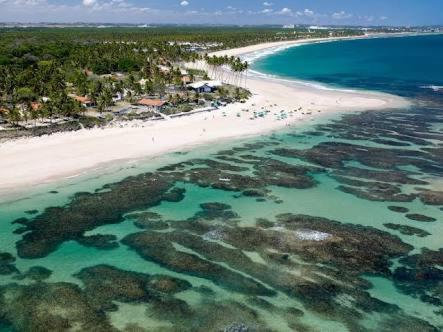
x: 421, y: 276
x: 431, y: 197
x: 99, y: 241
x: 105, y: 284
x: 87, y: 211
x: 36, y: 273
x: 399, y: 209
x: 50, y: 307
x: 407, y: 230
x: 381, y: 192
x: 236, y: 327
x: 158, y: 248
x: 216, y: 210
x: 420, y: 217
x: 7, y: 266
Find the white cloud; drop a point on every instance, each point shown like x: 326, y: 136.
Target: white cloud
x: 341, y: 15
x: 308, y: 12
x: 133, y: 11
x: 28, y: 2
x: 89, y: 3
x: 285, y: 11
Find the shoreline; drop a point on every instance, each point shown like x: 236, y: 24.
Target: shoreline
x: 40, y: 160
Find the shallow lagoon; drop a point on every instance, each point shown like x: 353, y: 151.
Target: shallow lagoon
x: 262, y: 188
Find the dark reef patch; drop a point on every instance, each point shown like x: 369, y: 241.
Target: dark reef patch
x: 36, y: 273
x: 148, y: 220
x: 407, y: 230
x: 420, y: 217
x: 264, y: 223
x: 385, y: 168
x: 422, y: 276
x: 348, y: 246
x: 87, y: 211
x: 398, y: 209
x: 215, y: 210
x: 343, y: 252
x: 7, y: 266
x: 99, y: 241
x: 378, y: 191
x: 31, y: 308
x: 431, y: 197
x: 105, y: 284
x: 156, y: 247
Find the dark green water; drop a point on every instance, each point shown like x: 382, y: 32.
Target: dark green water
x: 335, y: 225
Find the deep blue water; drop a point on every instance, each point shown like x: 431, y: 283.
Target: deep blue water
x: 397, y: 65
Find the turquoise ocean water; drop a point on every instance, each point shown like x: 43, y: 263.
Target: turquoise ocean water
x: 402, y: 65
x: 333, y: 225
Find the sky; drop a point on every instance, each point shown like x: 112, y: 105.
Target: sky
x: 243, y: 12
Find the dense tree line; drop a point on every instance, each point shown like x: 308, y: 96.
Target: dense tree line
x: 52, y: 63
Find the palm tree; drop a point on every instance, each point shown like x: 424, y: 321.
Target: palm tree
x: 104, y: 99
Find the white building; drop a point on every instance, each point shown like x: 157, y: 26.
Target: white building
x: 205, y: 86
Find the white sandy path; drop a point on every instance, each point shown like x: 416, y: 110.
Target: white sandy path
x: 33, y: 161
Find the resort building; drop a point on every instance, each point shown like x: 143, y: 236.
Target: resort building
x: 35, y: 106
x: 142, y: 82
x: 117, y: 97
x: 205, y: 86
x: 85, y: 101
x: 152, y: 104
x: 164, y: 69
x: 186, y: 79
x: 3, y: 112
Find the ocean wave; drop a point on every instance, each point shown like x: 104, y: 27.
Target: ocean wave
x: 295, y: 81
x: 435, y: 88
x: 254, y: 56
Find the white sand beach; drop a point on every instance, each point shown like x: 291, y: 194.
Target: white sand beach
x: 32, y: 161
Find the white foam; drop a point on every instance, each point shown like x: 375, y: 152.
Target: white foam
x: 312, y: 235
x: 435, y: 88
x: 254, y: 56
x: 316, y: 85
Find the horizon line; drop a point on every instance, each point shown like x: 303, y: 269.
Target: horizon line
x: 219, y: 25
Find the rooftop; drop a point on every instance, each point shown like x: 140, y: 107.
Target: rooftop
x: 212, y: 84
x: 83, y: 99
x: 151, y: 102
